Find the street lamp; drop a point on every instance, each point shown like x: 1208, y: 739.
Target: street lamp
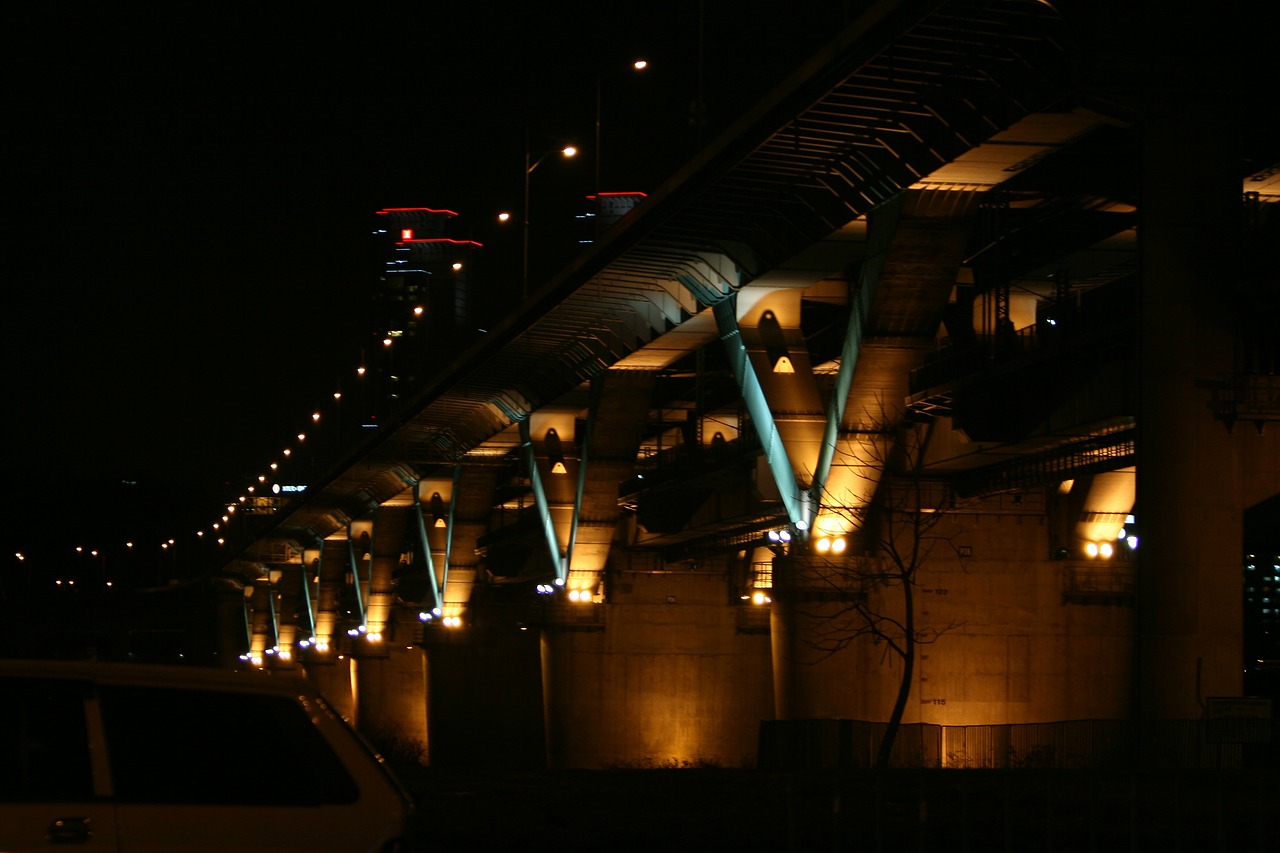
x: 637, y: 65
x: 529, y: 165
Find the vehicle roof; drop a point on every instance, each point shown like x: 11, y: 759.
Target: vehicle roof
x: 111, y: 672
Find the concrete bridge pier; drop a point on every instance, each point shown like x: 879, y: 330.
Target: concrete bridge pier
x: 333, y: 680
x: 664, y: 675
x: 391, y: 697
x: 815, y: 671
x: 1189, y: 507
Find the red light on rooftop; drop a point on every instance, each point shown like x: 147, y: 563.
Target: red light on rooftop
x: 387, y: 210
x: 614, y: 195
x: 448, y: 240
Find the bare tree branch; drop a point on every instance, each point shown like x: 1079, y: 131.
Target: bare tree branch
x: 870, y: 594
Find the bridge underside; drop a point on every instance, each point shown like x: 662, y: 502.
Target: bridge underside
x: 960, y: 266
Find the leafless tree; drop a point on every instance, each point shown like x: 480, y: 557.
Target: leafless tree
x: 898, y: 533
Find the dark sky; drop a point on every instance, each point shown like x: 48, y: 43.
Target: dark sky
x: 193, y: 186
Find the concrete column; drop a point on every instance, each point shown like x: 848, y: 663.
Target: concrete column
x: 333, y: 680
x: 619, y: 414
x: 1188, y: 501
x: 485, y: 692
x: 812, y: 679
x: 794, y: 659
x: 670, y: 681
x: 388, y: 543
x: 391, y: 697
x: 329, y: 572
x: 468, y: 506
x: 232, y: 634
x: 261, y: 606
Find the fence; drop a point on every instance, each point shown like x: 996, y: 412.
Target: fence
x: 1073, y: 744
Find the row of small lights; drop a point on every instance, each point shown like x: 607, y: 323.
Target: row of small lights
x: 319, y: 645
x: 360, y: 630
x: 216, y: 528
x: 569, y: 151
x: 21, y: 557
x: 287, y: 452
x: 387, y: 342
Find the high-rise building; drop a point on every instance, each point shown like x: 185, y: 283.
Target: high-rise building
x: 421, y: 300
x: 422, y: 283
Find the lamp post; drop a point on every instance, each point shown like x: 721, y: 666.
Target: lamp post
x: 637, y: 65
x: 529, y: 165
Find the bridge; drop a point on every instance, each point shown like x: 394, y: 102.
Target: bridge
x: 952, y: 361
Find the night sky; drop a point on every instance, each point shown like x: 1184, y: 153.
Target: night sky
x: 192, y: 187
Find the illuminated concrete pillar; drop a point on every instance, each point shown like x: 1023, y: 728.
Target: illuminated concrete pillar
x: 262, y: 619
x: 615, y: 423
x: 290, y: 609
x: 577, y: 466
x: 570, y: 647
x: 664, y: 679
x: 388, y: 543
x: 309, y: 590
x: 360, y: 567
x: 456, y: 514
x: 769, y: 321
x: 330, y: 569
x: 1189, y: 501
x: 845, y: 445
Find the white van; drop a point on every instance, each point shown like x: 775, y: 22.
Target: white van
x: 131, y: 758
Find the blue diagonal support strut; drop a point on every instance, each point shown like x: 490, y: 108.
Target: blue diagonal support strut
x: 593, y: 407
x: 753, y: 395
x: 448, y: 534
x: 275, y: 619
x: 355, y: 574
x: 540, y: 500
x: 881, y: 224
x: 306, y: 595
x: 437, y: 597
